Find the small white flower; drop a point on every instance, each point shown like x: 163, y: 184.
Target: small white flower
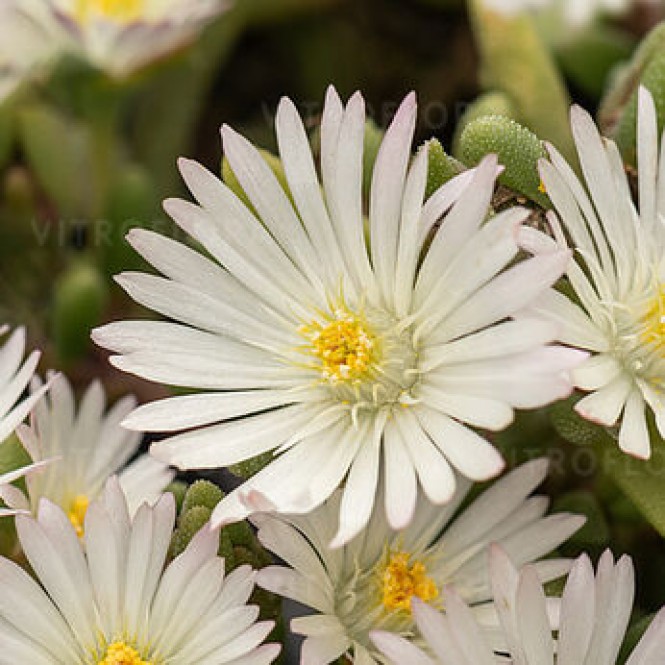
x: 341, y: 357
x: 592, y: 620
x: 119, y: 36
x: 369, y: 583
x: 85, y: 448
x: 112, y: 602
x: 618, y: 277
x: 15, y: 375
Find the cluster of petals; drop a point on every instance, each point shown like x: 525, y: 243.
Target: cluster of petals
x: 590, y: 621
x: 112, y: 591
x: 79, y: 449
x: 617, y: 276
x: 419, y: 315
x: 344, y: 587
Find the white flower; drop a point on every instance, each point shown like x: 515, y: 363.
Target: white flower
x: 333, y: 354
x: 593, y: 616
x: 618, y: 277
x: 369, y: 583
x: 114, y: 603
x: 119, y: 36
x: 15, y: 375
x: 85, y: 449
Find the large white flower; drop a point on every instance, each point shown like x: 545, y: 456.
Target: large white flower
x: 593, y: 617
x: 85, y: 447
x: 113, y: 602
x: 15, y: 375
x: 119, y: 36
x: 332, y: 353
x: 618, y: 276
x: 369, y: 583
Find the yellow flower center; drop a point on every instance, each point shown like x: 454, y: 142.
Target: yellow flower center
x: 77, y: 510
x: 344, y: 346
x: 401, y: 580
x: 653, y: 332
x: 120, y: 653
x: 120, y: 11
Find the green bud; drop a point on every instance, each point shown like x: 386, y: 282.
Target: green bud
x: 250, y: 467
x: 202, y: 493
x: 516, y: 61
x: 489, y: 103
x: 189, y: 524
x: 518, y: 150
x: 241, y: 533
x: 245, y: 556
x: 178, y: 489
x: 79, y: 299
x: 441, y: 167
x: 571, y: 426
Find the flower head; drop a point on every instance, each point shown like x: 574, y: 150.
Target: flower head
x: 113, y: 602
x: 85, y: 447
x: 118, y: 36
x: 370, y: 583
x: 618, y: 277
x: 592, y: 617
x: 340, y: 356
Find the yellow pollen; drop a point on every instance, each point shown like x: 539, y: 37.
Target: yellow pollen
x: 344, y: 346
x: 120, y: 653
x: 401, y: 581
x: 541, y: 188
x: 120, y: 11
x: 77, y: 510
x: 654, y: 322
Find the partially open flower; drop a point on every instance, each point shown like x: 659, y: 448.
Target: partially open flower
x: 81, y: 449
x: 592, y: 618
x: 113, y: 602
x: 370, y: 583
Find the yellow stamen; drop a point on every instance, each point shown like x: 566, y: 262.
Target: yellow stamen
x: 401, y: 581
x: 654, y: 322
x: 120, y: 653
x: 77, y: 510
x: 120, y: 11
x: 344, y: 346
x: 541, y: 188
